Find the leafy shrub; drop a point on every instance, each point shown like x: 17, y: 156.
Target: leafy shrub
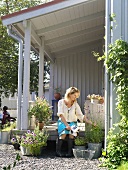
x: 80, y: 141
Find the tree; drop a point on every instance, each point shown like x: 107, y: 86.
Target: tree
x: 9, y: 51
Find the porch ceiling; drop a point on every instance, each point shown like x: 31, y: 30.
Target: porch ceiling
x: 67, y: 29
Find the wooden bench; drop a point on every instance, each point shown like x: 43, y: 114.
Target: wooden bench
x: 53, y: 134
x: 52, y: 131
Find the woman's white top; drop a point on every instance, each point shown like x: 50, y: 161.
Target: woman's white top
x: 70, y: 114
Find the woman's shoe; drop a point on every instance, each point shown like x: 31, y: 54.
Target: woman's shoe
x: 58, y: 154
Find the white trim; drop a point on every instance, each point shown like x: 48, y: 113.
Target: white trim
x: 42, y: 11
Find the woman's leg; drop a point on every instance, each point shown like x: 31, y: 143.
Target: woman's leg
x: 62, y: 136
x: 71, y: 136
x: 59, y: 142
x: 70, y: 145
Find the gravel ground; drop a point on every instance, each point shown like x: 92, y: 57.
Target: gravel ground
x: 47, y: 161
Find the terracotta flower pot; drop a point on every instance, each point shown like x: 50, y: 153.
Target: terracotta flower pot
x: 41, y: 125
x: 57, y: 96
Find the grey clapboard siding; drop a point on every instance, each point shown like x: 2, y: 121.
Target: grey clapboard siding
x: 80, y: 70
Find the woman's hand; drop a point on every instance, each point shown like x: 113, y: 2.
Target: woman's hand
x: 68, y: 127
x: 88, y: 121
x: 94, y: 124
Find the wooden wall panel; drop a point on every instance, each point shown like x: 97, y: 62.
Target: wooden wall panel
x: 82, y: 71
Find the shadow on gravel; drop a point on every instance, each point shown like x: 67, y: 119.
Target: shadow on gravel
x: 50, y: 150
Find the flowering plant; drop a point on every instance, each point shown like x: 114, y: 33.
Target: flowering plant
x: 41, y: 110
x: 94, y: 96
x: 33, y: 140
x: 14, y: 140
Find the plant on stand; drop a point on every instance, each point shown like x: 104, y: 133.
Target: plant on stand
x: 42, y: 111
x: 95, y: 98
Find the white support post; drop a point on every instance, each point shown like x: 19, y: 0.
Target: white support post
x: 41, y: 68
x: 107, y: 84
x: 24, y: 120
x: 51, y: 82
x: 116, y: 34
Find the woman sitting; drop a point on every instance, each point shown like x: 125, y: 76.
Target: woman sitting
x: 68, y: 112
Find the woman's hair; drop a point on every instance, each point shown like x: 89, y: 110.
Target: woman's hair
x: 70, y: 91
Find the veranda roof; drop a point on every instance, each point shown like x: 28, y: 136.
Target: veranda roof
x: 67, y: 26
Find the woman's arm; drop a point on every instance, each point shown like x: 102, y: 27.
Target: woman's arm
x: 88, y: 121
x: 64, y: 121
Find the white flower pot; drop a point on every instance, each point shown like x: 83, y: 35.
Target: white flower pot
x: 25, y: 150
x: 86, y: 154
x: 95, y: 101
x: 79, y: 147
x: 4, y: 137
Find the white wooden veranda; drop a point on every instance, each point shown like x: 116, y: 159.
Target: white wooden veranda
x: 38, y: 26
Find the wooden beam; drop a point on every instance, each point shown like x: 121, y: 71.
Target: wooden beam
x: 74, y: 34
x: 71, y: 22
x: 67, y: 47
x: 35, y: 36
x: 80, y: 48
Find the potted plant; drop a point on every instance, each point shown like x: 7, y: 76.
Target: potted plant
x: 14, y: 140
x: 32, y: 142
x: 57, y: 93
x: 80, y: 142
x: 41, y: 110
x: 95, y: 98
x: 15, y: 143
x: 94, y: 136
x: 80, y: 151
x: 5, y: 131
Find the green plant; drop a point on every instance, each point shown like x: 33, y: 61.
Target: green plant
x: 80, y: 141
x: 8, y: 126
x: 9, y: 167
x: 41, y: 110
x: 33, y: 140
x: 117, y: 149
x: 57, y: 90
x: 117, y: 64
x: 123, y: 166
x: 94, y: 134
